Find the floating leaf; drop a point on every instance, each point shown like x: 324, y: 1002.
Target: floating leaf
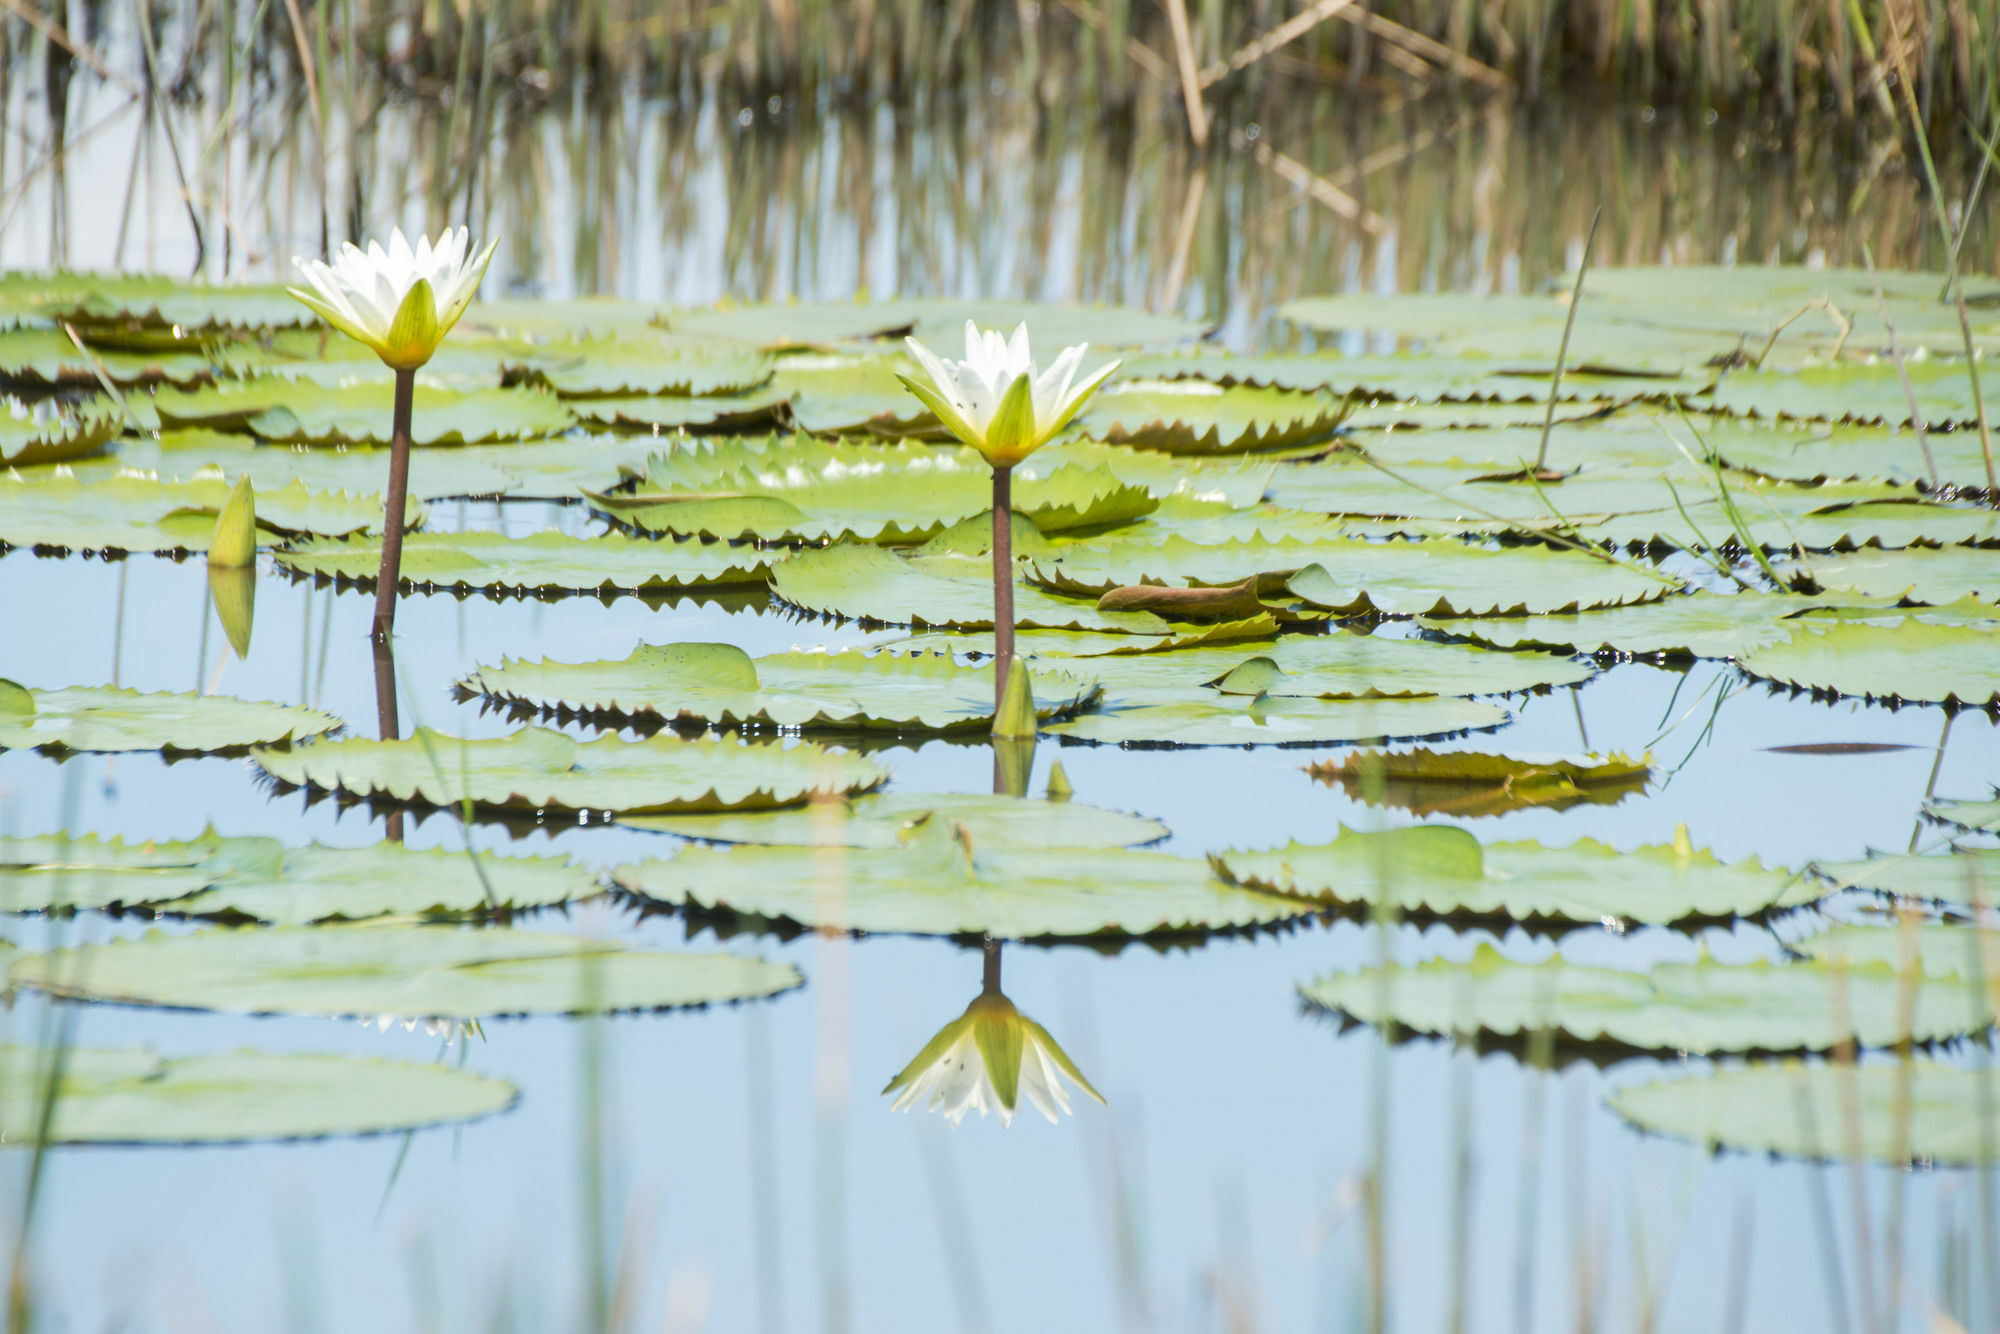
x: 1397, y: 578
x: 644, y: 363
x: 129, y: 513
x: 53, y: 430
x: 315, y: 884
x: 1331, y: 666
x: 545, y: 560
x: 1929, y: 949
x: 1698, y: 625
x: 937, y: 320
x: 668, y: 412
x: 1819, y: 452
x: 819, y: 491
x: 1265, y: 721
x: 836, y: 394
x: 109, y: 718
x: 1958, y: 877
x: 302, y: 412
x: 1698, y: 1008
x: 792, y: 325
x: 1442, y: 871
x: 46, y: 359
x: 1468, y: 783
x: 395, y: 970
x: 136, y: 1096
x: 1418, y: 379
x: 1854, y: 393
x: 1914, y: 655
x: 1938, y: 575
x: 186, y: 308
x: 51, y: 872
x: 944, y: 882
x: 888, y: 820
x: 1967, y: 814
x: 722, y: 685
x: 536, y: 768
x: 1196, y: 417
x: 1915, y: 1111
x: 866, y: 582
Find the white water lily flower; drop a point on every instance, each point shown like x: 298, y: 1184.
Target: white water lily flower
x: 400, y: 301
x: 986, y: 1059
x: 995, y: 400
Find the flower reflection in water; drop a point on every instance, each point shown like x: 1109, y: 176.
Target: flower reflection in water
x: 986, y: 1059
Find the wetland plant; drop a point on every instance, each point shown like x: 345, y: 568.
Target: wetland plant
x: 400, y: 302
x: 997, y: 402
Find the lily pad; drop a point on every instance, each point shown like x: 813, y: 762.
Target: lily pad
x: 184, y: 308
x: 1467, y: 784
x: 545, y: 560
x: 888, y: 820
x: 1937, y: 575
x: 1821, y: 452
x: 1441, y: 871
x: 944, y: 882
x: 1698, y: 625
x: 1915, y: 1111
x: 1396, y: 578
x: 315, y: 884
x: 670, y: 412
x: 109, y: 718
x: 722, y: 685
x: 1966, y: 814
x: 131, y: 513
x: 1699, y: 1008
x: 1197, y: 417
x: 395, y: 970
x: 648, y: 363
x: 1960, y: 877
x: 1330, y: 666
x: 1856, y: 393
x: 819, y: 491
x: 1912, y: 655
x: 52, y: 430
x: 301, y: 412
x: 136, y: 1096
x: 51, y: 872
x: 835, y: 394
x: 1266, y: 721
x: 1931, y: 950
x: 47, y: 359
x: 865, y: 582
x: 537, y: 768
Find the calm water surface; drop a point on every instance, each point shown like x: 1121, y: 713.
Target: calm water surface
x: 752, y: 1176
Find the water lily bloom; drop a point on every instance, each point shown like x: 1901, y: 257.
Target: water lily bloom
x: 401, y: 301
x: 986, y: 1059
x: 995, y: 400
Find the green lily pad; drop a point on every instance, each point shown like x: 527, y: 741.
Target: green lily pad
x: 1441, y: 871
x: 944, y: 882
x: 819, y: 491
x: 1420, y: 379
x: 648, y: 363
x: 538, y: 469
x: 722, y: 685
x: 865, y: 582
x: 1397, y: 578
x: 1919, y: 1111
x: 315, y: 884
x: 395, y: 970
x: 109, y: 718
x: 174, y: 305
x: 1626, y: 445
x: 546, y: 560
x: 1931, y: 950
x: 301, y: 412
x: 47, y: 359
x: 1823, y: 452
x: 1697, y: 625
x: 136, y: 1096
x: 1231, y: 482
x: 1236, y: 720
x: 778, y: 328
x: 836, y: 394
x: 1856, y: 393
x: 537, y: 768
x: 1197, y: 417
x: 1454, y: 497
x: 1465, y: 784
x: 131, y: 513
x: 1966, y: 814
x: 888, y: 820
x: 51, y: 430
x: 1699, y: 1008
x: 325, y: 357
x: 1937, y: 575
x: 1913, y: 655
x: 1957, y: 877
x: 671, y: 412
x: 51, y: 872
x: 937, y: 320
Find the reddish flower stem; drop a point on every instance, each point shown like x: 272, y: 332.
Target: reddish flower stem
x: 1003, y: 581
x: 388, y: 582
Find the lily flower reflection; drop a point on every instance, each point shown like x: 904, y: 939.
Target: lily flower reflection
x: 401, y: 301
x: 995, y: 401
x: 986, y: 1059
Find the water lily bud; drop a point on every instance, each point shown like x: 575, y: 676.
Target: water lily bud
x: 235, y: 542
x: 1016, y: 717
x: 1059, y: 788
x: 234, y: 592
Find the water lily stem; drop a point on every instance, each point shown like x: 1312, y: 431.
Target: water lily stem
x: 388, y: 582
x: 992, y: 978
x: 388, y: 725
x: 1003, y: 581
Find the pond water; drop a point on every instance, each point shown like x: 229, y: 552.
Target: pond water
x: 1255, y: 1165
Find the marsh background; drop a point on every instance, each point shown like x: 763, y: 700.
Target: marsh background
x: 734, y: 1168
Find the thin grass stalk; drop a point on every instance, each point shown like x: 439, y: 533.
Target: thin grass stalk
x: 1562, y: 349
